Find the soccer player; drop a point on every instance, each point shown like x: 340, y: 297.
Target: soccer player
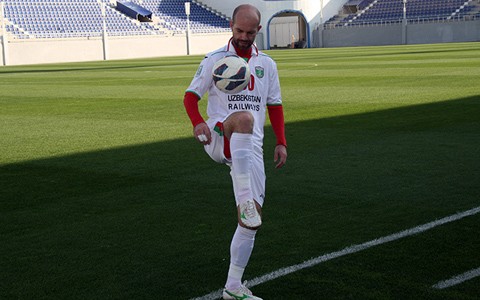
x: 233, y: 134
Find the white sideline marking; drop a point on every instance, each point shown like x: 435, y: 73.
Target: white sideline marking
x: 348, y: 250
x: 457, y: 279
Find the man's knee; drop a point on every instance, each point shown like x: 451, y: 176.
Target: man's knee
x: 246, y: 118
x: 241, y: 122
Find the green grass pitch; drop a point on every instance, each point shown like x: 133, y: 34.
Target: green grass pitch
x: 105, y: 194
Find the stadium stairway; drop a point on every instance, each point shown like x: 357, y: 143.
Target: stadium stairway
x: 170, y: 15
x: 474, y: 11
x: 391, y: 11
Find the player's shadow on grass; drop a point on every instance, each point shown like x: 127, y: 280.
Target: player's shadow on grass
x: 180, y: 166
x: 144, y: 212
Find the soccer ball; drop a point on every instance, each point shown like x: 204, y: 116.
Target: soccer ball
x: 231, y: 74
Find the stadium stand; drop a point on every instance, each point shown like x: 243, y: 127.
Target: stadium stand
x: 172, y: 16
x: 367, y: 12
x: 28, y: 19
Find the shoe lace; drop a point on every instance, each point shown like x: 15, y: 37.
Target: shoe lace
x: 244, y: 289
x: 250, y: 209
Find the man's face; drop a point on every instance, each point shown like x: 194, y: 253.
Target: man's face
x: 244, y: 32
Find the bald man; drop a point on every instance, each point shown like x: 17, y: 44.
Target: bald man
x: 233, y: 134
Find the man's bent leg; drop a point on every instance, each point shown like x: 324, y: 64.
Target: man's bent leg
x: 241, y: 148
x: 238, y: 128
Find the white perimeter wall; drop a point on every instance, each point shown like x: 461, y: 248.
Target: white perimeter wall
x: 22, y: 52
x: 51, y: 51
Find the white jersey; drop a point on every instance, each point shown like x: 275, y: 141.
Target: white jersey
x: 263, y: 89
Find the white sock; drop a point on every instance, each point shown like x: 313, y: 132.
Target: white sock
x: 240, y: 251
x: 241, y: 148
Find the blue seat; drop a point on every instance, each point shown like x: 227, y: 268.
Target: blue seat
x: 392, y: 10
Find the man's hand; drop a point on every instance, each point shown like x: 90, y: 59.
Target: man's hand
x: 280, y: 156
x: 202, y: 133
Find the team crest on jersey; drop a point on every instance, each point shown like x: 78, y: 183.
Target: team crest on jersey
x: 259, y: 71
x: 199, y: 71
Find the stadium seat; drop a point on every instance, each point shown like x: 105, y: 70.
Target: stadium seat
x: 391, y: 11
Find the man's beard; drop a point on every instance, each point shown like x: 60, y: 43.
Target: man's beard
x: 242, y: 44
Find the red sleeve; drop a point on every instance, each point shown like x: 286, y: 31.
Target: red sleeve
x: 275, y: 113
x: 190, y: 101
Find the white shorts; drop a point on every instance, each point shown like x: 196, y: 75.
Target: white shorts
x: 219, y: 151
